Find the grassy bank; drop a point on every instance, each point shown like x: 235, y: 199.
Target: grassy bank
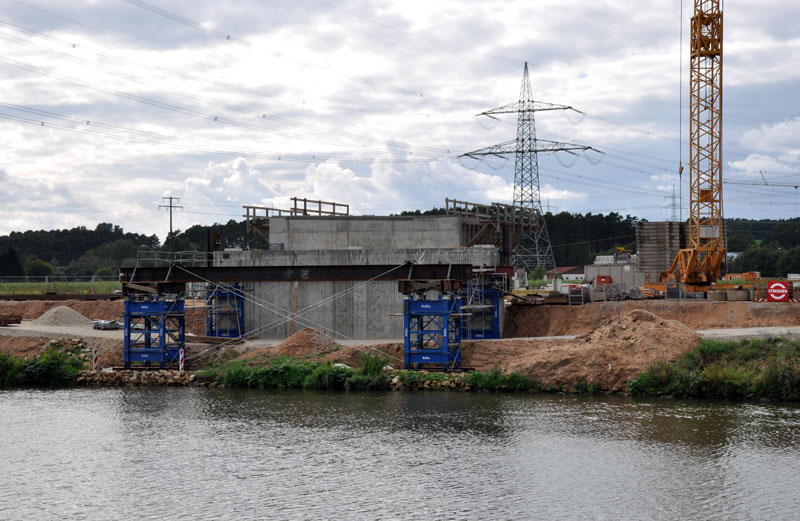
x: 285, y: 373
x: 79, y: 287
x: 51, y: 368
x: 731, y: 370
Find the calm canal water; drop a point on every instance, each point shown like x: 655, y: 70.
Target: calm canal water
x: 226, y: 454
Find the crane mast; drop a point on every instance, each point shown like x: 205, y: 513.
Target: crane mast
x: 701, y: 262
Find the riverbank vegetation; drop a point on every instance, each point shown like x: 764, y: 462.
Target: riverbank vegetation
x: 285, y: 373
x: 51, y: 368
x: 371, y: 375
x: 731, y: 370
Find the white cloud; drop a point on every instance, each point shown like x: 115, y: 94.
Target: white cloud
x: 781, y: 137
x: 342, y: 89
x: 755, y: 163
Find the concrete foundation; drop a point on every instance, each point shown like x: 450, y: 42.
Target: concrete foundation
x: 344, y: 310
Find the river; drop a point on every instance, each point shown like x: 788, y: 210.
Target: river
x: 188, y: 453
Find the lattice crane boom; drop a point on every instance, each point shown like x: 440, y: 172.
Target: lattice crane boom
x: 702, y: 261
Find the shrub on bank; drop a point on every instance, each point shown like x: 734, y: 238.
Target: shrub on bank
x: 495, y: 380
x: 750, y: 368
x: 9, y: 370
x: 48, y: 369
x: 286, y: 374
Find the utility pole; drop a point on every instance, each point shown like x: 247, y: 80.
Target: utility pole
x: 533, y: 248
x: 171, y: 206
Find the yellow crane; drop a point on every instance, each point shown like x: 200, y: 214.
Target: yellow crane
x: 702, y: 261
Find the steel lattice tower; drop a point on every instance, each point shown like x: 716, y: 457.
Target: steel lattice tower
x: 533, y: 248
x: 702, y: 261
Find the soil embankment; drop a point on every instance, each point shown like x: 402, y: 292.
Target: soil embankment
x: 535, y: 321
x: 607, y: 357
x: 33, y: 309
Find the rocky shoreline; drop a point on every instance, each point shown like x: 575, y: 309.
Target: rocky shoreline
x: 131, y: 377
x: 398, y: 380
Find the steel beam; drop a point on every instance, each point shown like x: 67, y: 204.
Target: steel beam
x: 181, y: 274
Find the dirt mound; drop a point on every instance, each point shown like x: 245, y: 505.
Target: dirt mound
x: 62, y: 316
x: 608, y: 357
x: 305, y: 342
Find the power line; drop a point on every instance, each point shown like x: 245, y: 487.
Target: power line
x: 260, y: 115
x: 228, y: 37
x: 298, y: 102
x: 84, y: 25
x: 414, y: 36
x: 174, y: 143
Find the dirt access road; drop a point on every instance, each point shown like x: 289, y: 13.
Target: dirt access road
x: 537, y: 321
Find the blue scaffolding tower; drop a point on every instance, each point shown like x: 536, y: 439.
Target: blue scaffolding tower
x: 155, y: 330
x: 432, y: 331
x: 225, y: 310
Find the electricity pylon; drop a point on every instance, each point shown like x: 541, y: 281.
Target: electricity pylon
x: 533, y: 248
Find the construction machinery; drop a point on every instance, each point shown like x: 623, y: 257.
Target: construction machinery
x: 702, y: 262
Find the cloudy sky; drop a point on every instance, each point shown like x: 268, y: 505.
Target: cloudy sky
x: 106, y: 106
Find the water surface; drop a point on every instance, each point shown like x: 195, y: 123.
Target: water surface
x: 227, y: 454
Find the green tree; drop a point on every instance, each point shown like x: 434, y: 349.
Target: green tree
x: 112, y: 255
x: 740, y: 241
x: 538, y: 273
x: 10, y: 265
x: 789, y: 262
x: 105, y: 271
x: 36, y: 267
x: 763, y: 258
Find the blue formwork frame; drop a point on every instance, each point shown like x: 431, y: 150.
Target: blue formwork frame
x: 483, y: 321
x: 155, y: 331
x: 225, y: 311
x: 432, y: 332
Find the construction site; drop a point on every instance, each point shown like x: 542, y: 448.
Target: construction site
x: 445, y: 292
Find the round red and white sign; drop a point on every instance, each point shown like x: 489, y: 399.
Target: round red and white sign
x: 778, y: 291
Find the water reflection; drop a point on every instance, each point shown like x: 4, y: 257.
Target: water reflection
x: 230, y: 454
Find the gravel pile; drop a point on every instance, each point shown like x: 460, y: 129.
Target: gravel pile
x: 62, y: 316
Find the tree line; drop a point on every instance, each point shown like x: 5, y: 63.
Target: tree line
x: 771, y: 247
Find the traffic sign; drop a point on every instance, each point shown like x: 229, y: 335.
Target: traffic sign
x: 778, y: 291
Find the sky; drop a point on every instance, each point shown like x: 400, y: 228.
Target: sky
x: 108, y: 106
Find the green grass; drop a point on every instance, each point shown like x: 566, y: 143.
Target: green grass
x: 81, y: 288
x: 730, y: 370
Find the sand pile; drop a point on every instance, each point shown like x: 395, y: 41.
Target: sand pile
x: 62, y: 316
x: 608, y: 357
